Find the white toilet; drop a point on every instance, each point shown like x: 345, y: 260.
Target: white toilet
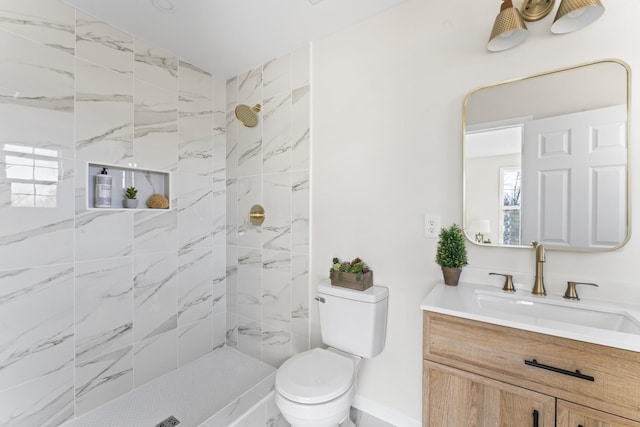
x: 316, y: 388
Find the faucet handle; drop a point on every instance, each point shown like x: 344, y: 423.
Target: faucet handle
x: 571, y: 292
x: 508, y: 282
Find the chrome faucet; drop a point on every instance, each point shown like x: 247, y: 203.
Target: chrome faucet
x: 538, y: 284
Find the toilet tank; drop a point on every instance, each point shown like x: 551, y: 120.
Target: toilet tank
x: 353, y: 321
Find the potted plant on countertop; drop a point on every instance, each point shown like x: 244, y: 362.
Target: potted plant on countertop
x: 451, y: 254
x: 130, y: 200
x: 351, y: 274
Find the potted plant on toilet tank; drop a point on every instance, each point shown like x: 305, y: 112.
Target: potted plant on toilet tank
x: 451, y: 254
x: 351, y: 274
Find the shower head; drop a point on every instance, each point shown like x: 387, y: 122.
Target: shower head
x: 247, y: 115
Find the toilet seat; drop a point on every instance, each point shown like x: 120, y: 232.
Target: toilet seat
x: 315, y: 376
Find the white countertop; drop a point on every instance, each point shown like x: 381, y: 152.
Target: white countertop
x: 551, y: 314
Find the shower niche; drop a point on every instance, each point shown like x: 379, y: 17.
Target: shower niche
x: 146, y: 181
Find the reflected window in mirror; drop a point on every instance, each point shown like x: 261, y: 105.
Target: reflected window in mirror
x: 510, y: 209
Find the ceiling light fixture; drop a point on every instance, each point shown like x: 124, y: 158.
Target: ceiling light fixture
x: 509, y: 29
x: 165, y: 6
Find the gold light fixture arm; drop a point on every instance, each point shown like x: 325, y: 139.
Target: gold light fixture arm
x: 534, y: 10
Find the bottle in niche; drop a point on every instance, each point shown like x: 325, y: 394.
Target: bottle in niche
x: 103, y: 189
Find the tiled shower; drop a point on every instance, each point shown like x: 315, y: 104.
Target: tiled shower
x: 94, y: 303
x: 268, y: 265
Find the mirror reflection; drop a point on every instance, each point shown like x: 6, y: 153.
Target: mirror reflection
x: 545, y: 159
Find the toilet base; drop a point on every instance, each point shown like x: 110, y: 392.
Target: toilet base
x: 327, y: 414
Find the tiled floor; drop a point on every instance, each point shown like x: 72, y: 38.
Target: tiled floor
x: 221, y: 389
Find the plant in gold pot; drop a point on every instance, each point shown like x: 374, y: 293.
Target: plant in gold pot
x: 451, y: 254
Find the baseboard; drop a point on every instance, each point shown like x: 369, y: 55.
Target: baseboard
x: 390, y: 415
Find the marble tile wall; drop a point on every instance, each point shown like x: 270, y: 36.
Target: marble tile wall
x: 95, y: 303
x: 267, y: 287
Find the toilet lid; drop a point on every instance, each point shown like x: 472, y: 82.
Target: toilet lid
x: 315, y: 376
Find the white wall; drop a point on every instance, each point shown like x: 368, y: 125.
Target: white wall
x: 387, y: 107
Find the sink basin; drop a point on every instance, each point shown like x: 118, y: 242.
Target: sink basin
x: 598, y: 322
x: 548, y: 312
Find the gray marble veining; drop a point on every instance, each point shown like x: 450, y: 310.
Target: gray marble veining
x: 37, y: 86
x: 195, y: 339
x: 155, y: 127
x: 34, y: 346
x: 103, y: 307
x: 276, y: 289
x: 277, y: 134
x: 103, y: 44
x: 250, y: 87
x: 73, y: 90
x: 249, y: 283
x: 156, y: 66
x: 195, y: 284
x: 195, y: 148
x: 300, y: 221
x: 194, y: 83
x: 46, y: 401
x: 155, y: 231
x: 250, y: 337
x: 103, y: 233
x: 155, y: 289
x: 195, y: 209
x: 102, y: 379
x: 154, y: 357
x: 301, y: 128
x: 104, y: 114
x: 49, y: 22
x: 269, y: 165
x: 277, y: 76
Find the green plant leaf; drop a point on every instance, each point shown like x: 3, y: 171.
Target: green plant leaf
x: 451, y: 252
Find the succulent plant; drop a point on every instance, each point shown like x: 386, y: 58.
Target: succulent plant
x: 130, y: 192
x: 357, y: 267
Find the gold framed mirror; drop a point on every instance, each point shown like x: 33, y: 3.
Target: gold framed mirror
x: 545, y: 158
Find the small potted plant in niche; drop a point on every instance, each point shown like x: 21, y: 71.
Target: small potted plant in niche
x: 351, y: 274
x: 130, y: 194
x: 451, y: 254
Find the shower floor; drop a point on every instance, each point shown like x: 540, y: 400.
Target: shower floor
x: 214, y: 390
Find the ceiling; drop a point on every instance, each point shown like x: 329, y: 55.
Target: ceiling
x: 229, y: 37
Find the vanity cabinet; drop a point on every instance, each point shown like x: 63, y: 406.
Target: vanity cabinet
x: 572, y: 415
x: 458, y: 398
x: 499, y: 362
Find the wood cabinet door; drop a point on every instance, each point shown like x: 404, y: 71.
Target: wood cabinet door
x: 572, y: 415
x: 455, y: 398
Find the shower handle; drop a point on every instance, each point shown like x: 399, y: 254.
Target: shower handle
x: 256, y: 215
